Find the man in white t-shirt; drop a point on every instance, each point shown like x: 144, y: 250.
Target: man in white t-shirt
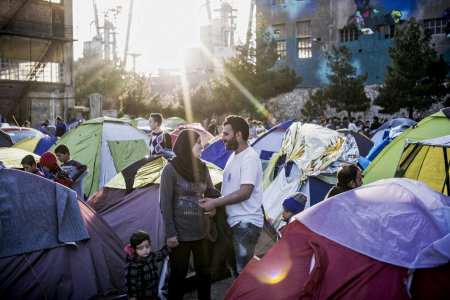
x: 242, y: 191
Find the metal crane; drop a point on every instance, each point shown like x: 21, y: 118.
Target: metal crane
x: 97, y: 24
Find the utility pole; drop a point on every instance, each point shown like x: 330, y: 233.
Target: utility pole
x: 134, y: 55
x: 125, y: 54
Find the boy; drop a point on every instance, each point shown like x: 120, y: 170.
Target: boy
x: 141, y: 272
x: 292, y: 205
x: 53, y: 171
x: 73, y: 167
x: 29, y: 165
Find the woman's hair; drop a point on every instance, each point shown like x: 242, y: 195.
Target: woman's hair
x: 347, y: 173
x: 138, y: 237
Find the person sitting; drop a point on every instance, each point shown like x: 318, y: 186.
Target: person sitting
x: 292, y: 205
x: 348, y: 178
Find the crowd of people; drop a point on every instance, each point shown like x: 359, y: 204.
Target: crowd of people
x: 189, y: 200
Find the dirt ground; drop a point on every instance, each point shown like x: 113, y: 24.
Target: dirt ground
x: 218, y: 290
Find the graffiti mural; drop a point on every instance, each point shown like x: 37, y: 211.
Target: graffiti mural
x: 369, y: 15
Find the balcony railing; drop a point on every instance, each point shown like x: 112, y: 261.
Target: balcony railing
x: 36, y: 29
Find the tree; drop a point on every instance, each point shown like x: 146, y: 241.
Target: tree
x: 136, y: 99
x: 345, y: 91
x: 416, y: 78
x: 252, y: 76
x: 98, y: 76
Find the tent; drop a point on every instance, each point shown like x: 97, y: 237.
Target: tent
x: 37, y: 145
x: 383, y: 131
x: 107, y: 146
x: 355, y: 245
x: 363, y: 142
x: 12, y: 157
x: 311, y: 155
x: 5, y: 139
x: 265, y: 145
x: 71, y: 253
x: 385, y: 163
x: 427, y: 161
x: 173, y: 122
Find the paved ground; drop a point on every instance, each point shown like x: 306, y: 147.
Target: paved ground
x: 218, y: 290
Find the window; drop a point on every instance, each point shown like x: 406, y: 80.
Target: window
x: 279, y: 1
x: 279, y: 30
x: 437, y: 26
x: 304, y: 39
x: 348, y: 35
x: 13, y: 69
x: 281, y: 49
x: 387, y: 31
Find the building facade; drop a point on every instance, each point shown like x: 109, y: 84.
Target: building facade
x: 306, y: 29
x: 36, y: 59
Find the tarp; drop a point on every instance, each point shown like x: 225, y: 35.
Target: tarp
x: 12, y: 157
x: 363, y: 142
x: 427, y: 161
x: 95, y: 143
x: 91, y: 267
x: 310, y: 150
x: 385, y: 163
x: 399, y: 221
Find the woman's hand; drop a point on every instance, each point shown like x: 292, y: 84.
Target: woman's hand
x: 211, y: 213
x: 172, y: 242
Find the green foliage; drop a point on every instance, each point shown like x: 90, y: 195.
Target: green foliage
x: 252, y: 77
x: 415, y: 79
x: 98, y: 76
x: 136, y: 100
x: 345, y: 91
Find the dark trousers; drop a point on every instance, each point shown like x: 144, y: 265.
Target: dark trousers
x: 179, y: 263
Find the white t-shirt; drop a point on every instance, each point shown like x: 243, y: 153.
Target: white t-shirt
x: 244, y: 168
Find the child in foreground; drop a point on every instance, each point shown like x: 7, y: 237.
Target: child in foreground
x: 75, y: 169
x: 142, y: 267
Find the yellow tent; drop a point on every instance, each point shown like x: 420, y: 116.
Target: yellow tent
x: 28, y: 144
x: 11, y: 157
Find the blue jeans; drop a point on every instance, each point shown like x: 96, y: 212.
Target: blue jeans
x: 245, y: 237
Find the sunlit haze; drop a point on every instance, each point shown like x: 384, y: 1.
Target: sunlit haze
x: 160, y: 30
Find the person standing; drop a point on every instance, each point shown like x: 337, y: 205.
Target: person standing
x: 212, y: 128
x: 184, y: 181
x: 348, y: 177
x: 159, y: 139
x: 242, y: 191
x: 61, y: 127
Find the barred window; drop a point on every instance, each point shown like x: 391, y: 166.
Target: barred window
x: 387, y: 31
x: 304, y: 39
x: 281, y: 49
x: 348, y: 35
x: 13, y: 69
x: 437, y: 26
x: 279, y: 30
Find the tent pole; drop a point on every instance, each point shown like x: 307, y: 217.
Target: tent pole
x: 446, y: 173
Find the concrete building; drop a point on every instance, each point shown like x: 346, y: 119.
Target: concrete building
x: 36, y: 55
x: 306, y: 29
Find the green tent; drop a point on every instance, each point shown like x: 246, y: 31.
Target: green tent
x: 173, y: 122
x: 107, y: 146
x: 385, y: 163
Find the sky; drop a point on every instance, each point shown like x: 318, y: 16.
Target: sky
x: 160, y: 30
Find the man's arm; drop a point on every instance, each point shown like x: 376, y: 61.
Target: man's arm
x: 244, y: 192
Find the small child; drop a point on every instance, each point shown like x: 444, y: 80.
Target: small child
x: 141, y: 272
x: 292, y: 205
x: 73, y: 167
x: 29, y: 165
x: 53, y: 171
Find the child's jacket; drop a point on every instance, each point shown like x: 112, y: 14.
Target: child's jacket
x: 142, y: 273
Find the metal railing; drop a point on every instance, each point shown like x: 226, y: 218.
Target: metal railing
x: 36, y: 29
